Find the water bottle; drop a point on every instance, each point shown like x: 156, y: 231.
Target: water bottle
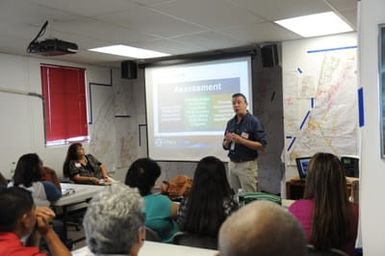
x: 241, y: 197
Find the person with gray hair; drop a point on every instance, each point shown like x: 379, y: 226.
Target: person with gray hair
x: 261, y: 228
x: 114, y: 222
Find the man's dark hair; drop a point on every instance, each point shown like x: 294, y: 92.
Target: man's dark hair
x: 14, y: 202
x: 238, y: 94
x: 142, y: 174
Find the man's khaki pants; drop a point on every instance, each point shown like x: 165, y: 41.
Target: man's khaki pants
x: 244, y: 175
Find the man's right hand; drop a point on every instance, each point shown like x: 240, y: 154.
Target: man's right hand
x: 227, y: 140
x: 43, y: 217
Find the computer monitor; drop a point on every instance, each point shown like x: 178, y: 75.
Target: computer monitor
x: 302, y: 166
x: 350, y: 165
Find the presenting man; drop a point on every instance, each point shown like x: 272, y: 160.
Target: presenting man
x: 244, y: 136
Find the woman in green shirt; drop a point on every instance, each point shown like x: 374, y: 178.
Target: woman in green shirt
x: 160, y: 211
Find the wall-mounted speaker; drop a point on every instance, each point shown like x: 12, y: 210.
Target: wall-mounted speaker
x: 129, y: 69
x: 269, y: 54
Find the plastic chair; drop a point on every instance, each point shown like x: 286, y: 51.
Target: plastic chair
x: 151, y: 235
x: 254, y: 196
x: 3, y: 181
x: 195, y: 240
x: 311, y: 251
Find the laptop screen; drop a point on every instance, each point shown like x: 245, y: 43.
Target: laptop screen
x: 302, y: 165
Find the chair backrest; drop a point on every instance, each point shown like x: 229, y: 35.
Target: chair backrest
x: 195, y: 240
x: 355, y: 188
x: 253, y: 196
x: 311, y: 251
x: 151, y: 235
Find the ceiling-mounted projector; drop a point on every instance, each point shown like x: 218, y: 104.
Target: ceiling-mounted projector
x: 50, y: 46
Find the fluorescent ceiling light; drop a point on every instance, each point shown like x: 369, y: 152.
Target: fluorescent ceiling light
x: 129, y: 51
x: 316, y: 24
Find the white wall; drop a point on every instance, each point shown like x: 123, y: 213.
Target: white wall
x: 21, y: 129
x: 372, y: 208
x: 329, y: 77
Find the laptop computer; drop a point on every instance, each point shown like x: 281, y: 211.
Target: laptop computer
x: 302, y: 166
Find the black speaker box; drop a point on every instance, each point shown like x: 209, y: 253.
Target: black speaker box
x: 269, y: 54
x: 129, y: 69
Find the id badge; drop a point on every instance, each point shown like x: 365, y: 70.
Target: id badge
x: 245, y: 135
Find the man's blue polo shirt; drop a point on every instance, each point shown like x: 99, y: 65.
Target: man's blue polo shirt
x: 250, y: 128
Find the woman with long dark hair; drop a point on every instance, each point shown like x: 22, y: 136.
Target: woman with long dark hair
x: 83, y: 168
x: 210, y: 200
x: 28, y: 175
x: 327, y: 216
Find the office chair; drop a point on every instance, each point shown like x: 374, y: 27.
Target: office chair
x: 195, y: 240
x: 151, y: 235
x: 311, y: 251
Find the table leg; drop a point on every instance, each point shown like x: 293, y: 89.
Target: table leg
x: 65, y: 218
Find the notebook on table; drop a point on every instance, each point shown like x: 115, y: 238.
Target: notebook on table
x: 302, y: 166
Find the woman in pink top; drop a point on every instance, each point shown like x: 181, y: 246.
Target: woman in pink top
x: 328, y: 218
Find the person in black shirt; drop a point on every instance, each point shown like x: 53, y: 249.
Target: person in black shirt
x: 244, y: 137
x: 84, y: 168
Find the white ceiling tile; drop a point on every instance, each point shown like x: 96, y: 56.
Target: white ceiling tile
x: 27, y: 12
x: 102, y: 31
x: 170, y: 46
x: 261, y: 32
x: 210, y: 40
x: 282, y: 9
x: 88, y: 8
x: 214, y: 14
x: 152, y: 2
x: 148, y: 21
x: 341, y: 5
x: 171, y: 26
x: 351, y: 17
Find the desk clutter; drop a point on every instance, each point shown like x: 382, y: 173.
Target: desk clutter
x: 67, y: 191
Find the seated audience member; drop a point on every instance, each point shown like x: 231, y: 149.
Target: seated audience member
x: 49, y: 174
x: 19, y: 219
x: 209, y: 202
x: 261, y: 228
x: 83, y: 168
x: 28, y: 175
x: 328, y: 218
x: 159, y: 209
x: 3, y: 181
x: 114, y: 222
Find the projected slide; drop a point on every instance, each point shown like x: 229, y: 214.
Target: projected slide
x: 189, y: 105
x: 197, y: 107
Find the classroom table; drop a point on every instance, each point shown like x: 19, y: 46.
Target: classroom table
x: 159, y: 249
x: 80, y: 194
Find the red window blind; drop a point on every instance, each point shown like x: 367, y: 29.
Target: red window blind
x: 64, y: 104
